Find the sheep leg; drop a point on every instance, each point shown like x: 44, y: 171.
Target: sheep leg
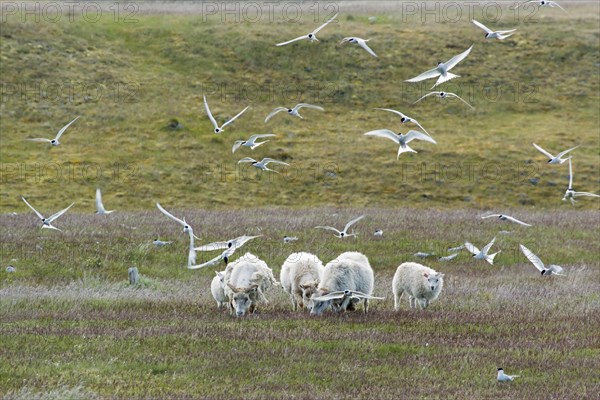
x: 366, y: 306
x: 413, y: 301
x: 397, y: 298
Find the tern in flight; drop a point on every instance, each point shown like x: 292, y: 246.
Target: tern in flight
x: 251, y: 142
x: 483, y: 253
x: 401, y: 139
x: 404, y: 118
x: 503, y: 217
x: 571, y: 194
x: 292, y: 111
x: 361, y: 42
x: 99, y: 206
x: 262, y: 164
x: 535, y: 260
x: 219, y: 129
x: 444, y: 95
x: 47, y: 222
x: 344, y: 233
x: 54, y: 142
x: 186, y: 229
x: 230, y: 247
x: 554, y: 159
x: 542, y: 3
x: 490, y: 34
x: 442, y: 70
x: 312, y: 36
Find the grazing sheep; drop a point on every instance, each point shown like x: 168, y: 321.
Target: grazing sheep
x: 217, y: 287
x: 422, y: 284
x: 246, y: 280
x: 300, y: 276
x: 345, y: 281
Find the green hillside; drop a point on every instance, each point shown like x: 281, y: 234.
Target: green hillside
x: 129, y: 80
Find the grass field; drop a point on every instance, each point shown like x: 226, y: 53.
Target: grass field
x: 72, y: 328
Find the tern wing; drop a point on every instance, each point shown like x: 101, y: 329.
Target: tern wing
x: 305, y: 105
x: 99, y: 205
x: 293, y: 40
x: 586, y: 194
x: 40, y: 140
x: 482, y: 26
x: 213, y: 246
x: 275, y: 111
x: 461, y: 99
x: 427, y: 95
x: 34, y: 210
x: 432, y: 73
x: 570, y: 174
x: 331, y: 296
x: 168, y: 214
x: 254, y: 137
x: 233, y: 119
x: 488, y: 246
x: 555, y: 4
x: 419, y: 125
x: 392, y: 111
x: 324, y: 25
x: 207, y: 264
x: 516, y: 220
x: 51, y: 227
x: 236, y: 145
x: 384, y: 133
x: 535, y: 260
x: 559, y: 155
x: 456, y: 59
x: 412, y: 135
x: 64, y: 128
x: 355, y: 220
x: 543, y: 151
x: 331, y: 228
x: 362, y: 43
x: 240, y: 241
x: 210, y: 116
x: 246, y: 159
x: 58, y: 214
x: 469, y: 246
x: 266, y: 161
x: 489, y: 216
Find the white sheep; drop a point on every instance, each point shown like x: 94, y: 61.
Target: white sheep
x: 246, y: 280
x: 422, y: 284
x: 217, y: 288
x: 345, y: 281
x: 300, y: 276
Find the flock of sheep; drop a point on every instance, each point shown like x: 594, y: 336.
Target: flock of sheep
x: 339, y: 285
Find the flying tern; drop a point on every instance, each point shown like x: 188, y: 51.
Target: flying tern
x: 251, y: 142
x: 535, y: 260
x: 186, y: 229
x: 224, y: 256
x: 99, y: 206
x: 54, y: 142
x: 292, y: 111
x: 554, y: 159
x: 490, y: 34
x: 262, y: 164
x: 442, y: 70
x: 47, y: 222
x: 405, y: 118
x: 361, y: 42
x: 571, y: 194
x: 503, y: 217
x: 502, y: 377
x: 444, y: 95
x: 312, y: 36
x: 219, y: 129
x: 344, y: 233
x: 230, y: 247
x: 483, y: 253
x: 542, y: 3
x: 401, y: 139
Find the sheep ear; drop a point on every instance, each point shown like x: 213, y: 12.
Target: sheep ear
x: 232, y: 287
x: 426, y: 275
x: 252, y: 288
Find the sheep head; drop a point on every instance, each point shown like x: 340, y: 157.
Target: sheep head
x: 308, y: 289
x: 242, y: 299
x: 433, y: 281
